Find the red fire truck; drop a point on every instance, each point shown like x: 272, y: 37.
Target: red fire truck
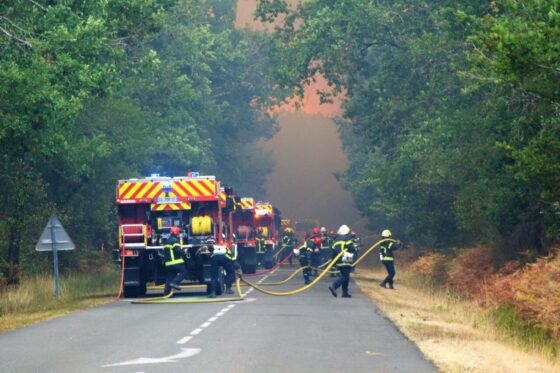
x: 250, y: 220
x: 149, y: 207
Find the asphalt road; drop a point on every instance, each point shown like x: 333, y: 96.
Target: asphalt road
x: 307, y: 332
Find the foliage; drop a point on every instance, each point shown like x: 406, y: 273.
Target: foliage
x: 91, y: 92
x: 530, y: 292
x: 450, y: 112
x: 433, y: 266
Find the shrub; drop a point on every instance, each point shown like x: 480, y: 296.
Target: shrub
x: 533, y: 292
x: 433, y: 266
x: 470, y: 271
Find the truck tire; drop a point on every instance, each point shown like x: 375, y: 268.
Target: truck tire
x: 221, y: 283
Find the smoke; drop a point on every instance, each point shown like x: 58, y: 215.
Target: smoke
x: 308, y: 152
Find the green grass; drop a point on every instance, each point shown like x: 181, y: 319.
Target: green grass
x: 524, y: 333
x: 503, y: 322
x: 34, y: 300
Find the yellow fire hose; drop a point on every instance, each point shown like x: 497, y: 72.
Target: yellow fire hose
x: 167, y: 298
x: 318, y: 278
x: 366, y: 253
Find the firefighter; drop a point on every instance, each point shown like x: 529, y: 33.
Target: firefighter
x: 288, y: 242
x: 261, y: 247
x: 326, y: 245
x: 387, y: 258
x: 316, y: 254
x: 304, y: 254
x: 354, y: 237
x: 331, y: 237
x: 175, y: 268
x: 343, y: 243
x: 220, y: 256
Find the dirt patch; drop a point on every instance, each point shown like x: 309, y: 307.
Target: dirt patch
x: 450, y: 332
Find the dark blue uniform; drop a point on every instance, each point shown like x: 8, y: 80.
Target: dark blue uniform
x: 342, y: 242
x: 174, y: 264
x: 388, y: 259
x: 218, y: 260
x: 305, y: 251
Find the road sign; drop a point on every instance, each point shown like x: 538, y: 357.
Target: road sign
x: 54, y: 238
x: 54, y: 229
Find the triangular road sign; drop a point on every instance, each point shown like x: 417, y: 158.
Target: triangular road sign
x: 62, y: 239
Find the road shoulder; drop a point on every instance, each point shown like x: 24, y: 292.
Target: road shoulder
x: 449, y: 332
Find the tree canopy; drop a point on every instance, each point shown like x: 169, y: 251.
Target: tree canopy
x: 94, y: 91
x: 450, y: 111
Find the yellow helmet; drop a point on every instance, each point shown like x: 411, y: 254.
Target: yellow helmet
x: 288, y: 230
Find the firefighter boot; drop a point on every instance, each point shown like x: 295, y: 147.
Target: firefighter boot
x: 333, y: 291
x: 212, y: 295
x: 346, y: 295
x: 228, y: 291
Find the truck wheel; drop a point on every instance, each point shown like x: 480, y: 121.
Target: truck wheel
x: 249, y: 268
x: 221, y: 281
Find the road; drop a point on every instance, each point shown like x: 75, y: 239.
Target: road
x: 307, y: 332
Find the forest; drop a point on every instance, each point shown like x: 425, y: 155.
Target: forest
x: 450, y: 111
x: 91, y: 91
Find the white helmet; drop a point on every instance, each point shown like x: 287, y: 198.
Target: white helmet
x: 344, y: 229
x: 323, y: 230
x: 386, y: 233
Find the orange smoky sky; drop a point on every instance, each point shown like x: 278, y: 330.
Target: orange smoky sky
x: 308, y: 153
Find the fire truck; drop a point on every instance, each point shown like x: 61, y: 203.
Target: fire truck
x: 249, y: 220
x: 149, y: 207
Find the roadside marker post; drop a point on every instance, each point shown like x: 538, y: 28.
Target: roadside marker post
x: 54, y: 238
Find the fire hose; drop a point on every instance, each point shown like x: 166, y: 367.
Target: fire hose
x: 121, y: 287
x: 318, y: 278
x: 167, y: 298
x: 271, y: 269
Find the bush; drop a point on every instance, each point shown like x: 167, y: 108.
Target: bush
x: 433, y: 266
x: 470, y: 271
x: 533, y: 292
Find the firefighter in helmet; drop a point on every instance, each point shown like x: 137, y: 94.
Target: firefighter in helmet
x: 357, y: 245
x: 304, y: 255
x: 343, y: 243
x: 288, y: 242
x: 261, y: 246
x: 175, y: 268
x: 326, y: 245
x: 387, y: 258
x: 315, y: 253
x: 220, y: 257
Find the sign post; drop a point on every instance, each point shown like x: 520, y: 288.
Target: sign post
x: 54, y: 238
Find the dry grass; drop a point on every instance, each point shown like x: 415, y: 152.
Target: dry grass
x: 34, y: 301
x: 457, y: 335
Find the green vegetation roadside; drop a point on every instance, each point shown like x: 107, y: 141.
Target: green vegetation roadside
x: 454, y: 333
x: 34, y: 300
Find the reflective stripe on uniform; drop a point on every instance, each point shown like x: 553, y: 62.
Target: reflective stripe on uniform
x: 173, y: 261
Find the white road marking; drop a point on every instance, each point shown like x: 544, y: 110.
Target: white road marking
x: 185, y: 353
x: 206, y: 324
x: 196, y: 331
x: 184, y: 339
x: 213, y: 318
